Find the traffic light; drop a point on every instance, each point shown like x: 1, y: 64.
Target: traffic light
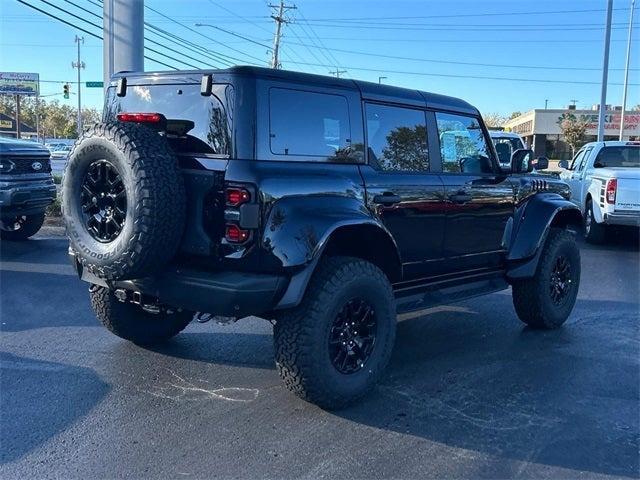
x: 65, y: 90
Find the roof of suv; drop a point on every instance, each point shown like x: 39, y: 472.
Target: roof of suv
x: 368, y: 90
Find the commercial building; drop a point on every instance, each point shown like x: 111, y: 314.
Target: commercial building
x: 540, y: 128
x: 8, y: 128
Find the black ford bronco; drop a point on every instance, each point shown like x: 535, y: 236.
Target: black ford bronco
x: 26, y: 188
x: 324, y: 205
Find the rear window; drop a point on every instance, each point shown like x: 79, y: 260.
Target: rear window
x: 211, y: 115
x: 309, y: 124
x: 624, y: 156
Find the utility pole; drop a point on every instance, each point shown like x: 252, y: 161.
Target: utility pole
x: 123, y: 32
x: 573, y: 102
x: 79, y: 65
x: 546, y: 102
x: 279, y: 19
x: 337, y: 72
x: 605, y: 72
x: 18, y: 132
x: 626, y: 72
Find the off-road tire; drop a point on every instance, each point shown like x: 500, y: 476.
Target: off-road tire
x: 129, y: 321
x: 301, y: 334
x: 29, y: 227
x: 594, y: 232
x: 532, y: 298
x: 156, y: 204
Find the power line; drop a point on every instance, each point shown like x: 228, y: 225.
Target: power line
x: 445, y: 75
x: 207, y: 37
x: 326, y: 52
x: 462, y: 15
x: 452, y: 62
x: 247, y: 20
x: 49, y: 14
x: 458, y: 28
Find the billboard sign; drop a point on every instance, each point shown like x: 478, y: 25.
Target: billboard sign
x: 16, y: 83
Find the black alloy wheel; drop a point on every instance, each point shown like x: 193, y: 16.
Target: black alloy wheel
x: 560, y: 284
x: 352, y: 336
x: 104, y: 201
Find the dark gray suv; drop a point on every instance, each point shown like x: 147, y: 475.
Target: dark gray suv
x: 26, y: 188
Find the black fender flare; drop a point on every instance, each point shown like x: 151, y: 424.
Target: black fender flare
x: 530, y: 227
x: 298, y: 230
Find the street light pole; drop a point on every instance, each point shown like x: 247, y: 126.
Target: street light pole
x: 381, y: 78
x: 626, y: 71
x: 605, y: 72
x: 79, y: 65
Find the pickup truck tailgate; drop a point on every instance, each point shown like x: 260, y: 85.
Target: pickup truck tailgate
x: 628, y: 194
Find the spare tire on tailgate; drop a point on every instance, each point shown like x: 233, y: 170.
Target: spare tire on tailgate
x: 123, y: 201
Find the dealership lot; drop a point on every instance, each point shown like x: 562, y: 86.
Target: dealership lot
x: 469, y: 393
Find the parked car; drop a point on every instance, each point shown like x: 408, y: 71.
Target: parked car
x: 605, y: 184
x: 54, y: 146
x: 324, y: 205
x: 511, y: 142
x: 61, y: 152
x: 26, y: 188
x: 508, y: 142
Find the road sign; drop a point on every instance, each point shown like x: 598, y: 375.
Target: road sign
x: 94, y: 84
x: 16, y: 83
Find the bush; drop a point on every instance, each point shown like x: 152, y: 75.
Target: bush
x: 57, y: 179
x: 55, y: 209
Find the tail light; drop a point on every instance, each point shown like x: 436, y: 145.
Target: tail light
x: 140, y: 117
x: 612, y: 187
x: 234, y: 234
x: 240, y: 214
x: 235, y: 196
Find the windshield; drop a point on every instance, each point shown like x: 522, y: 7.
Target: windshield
x: 211, y: 115
x: 624, y: 156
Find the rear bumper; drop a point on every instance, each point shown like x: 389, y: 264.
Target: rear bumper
x: 234, y: 294
x: 26, y: 197
x: 631, y: 219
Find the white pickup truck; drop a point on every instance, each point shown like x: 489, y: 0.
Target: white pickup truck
x: 605, y: 183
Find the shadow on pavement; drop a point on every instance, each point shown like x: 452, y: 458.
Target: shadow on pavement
x: 40, y: 399
x: 240, y: 349
x: 618, y: 239
x: 557, y: 398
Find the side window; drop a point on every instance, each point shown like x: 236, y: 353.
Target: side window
x: 583, y: 160
x: 463, y: 145
x: 309, y: 124
x: 577, y: 159
x: 397, y: 139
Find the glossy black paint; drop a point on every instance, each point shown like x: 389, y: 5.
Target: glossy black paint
x: 419, y: 228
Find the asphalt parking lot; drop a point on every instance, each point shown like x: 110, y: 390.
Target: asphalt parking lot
x: 470, y: 392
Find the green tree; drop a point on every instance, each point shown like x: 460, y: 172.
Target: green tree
x: 406, y: 149
x: 56, y: 119
x: 573, y: 131
x: 515, y: 114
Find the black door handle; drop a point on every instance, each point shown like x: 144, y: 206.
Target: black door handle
x: 460, y: 197
x: 387, y: 199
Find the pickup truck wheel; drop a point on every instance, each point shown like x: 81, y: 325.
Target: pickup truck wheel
x: 546, y: 300
x: 123, y: 201
x: 129, y: 321
x: 594, y: 232
x: 332, y: 349
x: 20, y: 227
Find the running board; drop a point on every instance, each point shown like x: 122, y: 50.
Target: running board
x: 440, y: 293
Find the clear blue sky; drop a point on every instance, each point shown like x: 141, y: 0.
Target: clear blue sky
x: 566, y: 47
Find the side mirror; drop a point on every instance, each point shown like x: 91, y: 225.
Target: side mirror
x: 522, y: 161
x: 542, y: 163
x: 564, y: 164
